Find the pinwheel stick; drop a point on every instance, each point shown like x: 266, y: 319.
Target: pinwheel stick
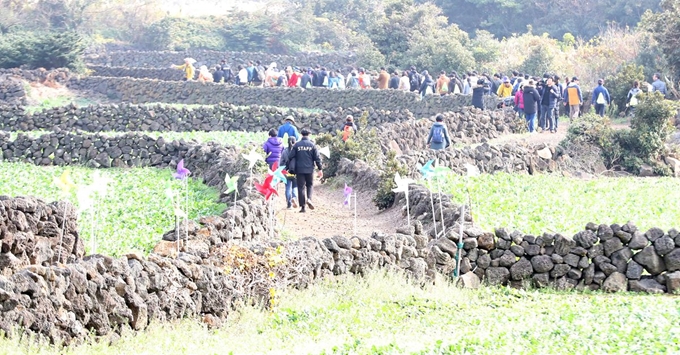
x: 92, y: 235
x: 355, y: 214
x: 408, y: 210
x: 460, y: 241
x: 434, y: 220
x: 186, y: 201
x: 441, y: 207
x: 61, y: 236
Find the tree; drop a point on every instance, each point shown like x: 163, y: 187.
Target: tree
x: 620, y: 83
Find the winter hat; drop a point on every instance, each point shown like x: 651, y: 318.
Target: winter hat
x: 290, y: 118
x: 505, y: 79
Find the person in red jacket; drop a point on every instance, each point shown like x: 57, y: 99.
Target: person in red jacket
x: 293, y: 77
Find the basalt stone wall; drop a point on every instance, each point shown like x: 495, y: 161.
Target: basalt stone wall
x: 222, y: 117
x: 61, y: 75
x: 152, y: 91
x: 12, y: 92
x: 167, y: 74
x: 163, y: 59
x: 31, y: 230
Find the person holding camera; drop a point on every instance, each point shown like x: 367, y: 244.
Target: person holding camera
x: 301, y: 161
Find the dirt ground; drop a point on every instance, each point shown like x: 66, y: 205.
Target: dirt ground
x: 331, y: 217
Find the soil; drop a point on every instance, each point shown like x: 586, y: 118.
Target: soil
x: 331, y: 217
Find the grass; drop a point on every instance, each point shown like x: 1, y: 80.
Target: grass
x: 58, y: 101
x: 235, y: 138
x: 385, y: 314
x: 552, y: 203
x: 132, y: 217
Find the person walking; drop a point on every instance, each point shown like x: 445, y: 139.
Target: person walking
x: 187, y: 68
x: 439, y: 135
x: 659, y: 85
x: 505, y: 89
x: 394, y: 81
x: 349, y: 128
x: 631, y: 99
x: 272, y: 148
x: 305, y: 155
x: 291, y: 183
x: 383, y: 79
x: 478, y: 93
x: 549, y: 97
x: 573, y: 98
x: 289, y: 127
x: 519, y: 100
x: 600, y: 98
x: 531, y: 100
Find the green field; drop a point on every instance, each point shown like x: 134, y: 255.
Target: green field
x: 135, y: 213
x: 552, y: 203
x: 385, y: 314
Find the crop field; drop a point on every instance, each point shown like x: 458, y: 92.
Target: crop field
x: 383, y: 313
x: 134, y: 213
x: 552, y: 203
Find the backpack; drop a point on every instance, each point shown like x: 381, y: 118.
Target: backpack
x: 438, y: 134
x: 633, y: 101
x: 353, y: 82
x: 346, y: 132
x: 445, y: 88
x: 414, y: 80
x: 600, y: 99
x: 428, y: 90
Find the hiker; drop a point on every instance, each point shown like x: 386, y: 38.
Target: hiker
x: 414, y: 79
x: 478, y: 93
x: 288, y: 127
x: 631, y: 99
x: 187, y: 68
x: 531, y: 100
x: 204, y: 75
x: 560, y: 95
x: 495, y: 83
x: 303, y: 157
x: 293, y: 77
x: 218, y: 75
x: 600, y: 98
x: 271, y: 75
x: 439, y: 135
x: 228, y: 75
x: 427, y: 87
x: 549, y: 96
x: 519, y: 100
x: 272, y: 147
x: 442, y: 84
x: 353, y: 80
x: 306, y: 80
x: 573, y: 98
x: 349, y: 128
x: 383, y: 79
x: 341, y: 80
x: 505, y: 89
x: 455, y: 85
x: 394, y: 81
x: 291, y: 183
x: 659, y: 85
x: 467, y: 87
x: 404, y: 82
x: 364, y: 79
x: 242, y: 77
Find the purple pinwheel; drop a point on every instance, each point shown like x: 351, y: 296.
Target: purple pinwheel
x: 182, y: 172
x: 348, y: 195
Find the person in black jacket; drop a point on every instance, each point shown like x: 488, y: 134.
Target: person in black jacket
x: 531, y: 101
x: 305, y: 155
x: 394, y: 81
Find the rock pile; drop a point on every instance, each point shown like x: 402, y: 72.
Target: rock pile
x: 31, y: 230
x: 12, y: 92
x: 163, y: 59
x: 153, y: 91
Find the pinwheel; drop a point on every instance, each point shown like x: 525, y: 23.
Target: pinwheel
x: 348, y: 192
x: 182, y: 172
x: 278, y: 173
x: 325, y: 151
x: 440, y: 174
x: 253, y: 157
x: 232, y: 186
x: 100, y: 184
x: 266, y: 188
x: 348, y: 195
x: 402, y: 186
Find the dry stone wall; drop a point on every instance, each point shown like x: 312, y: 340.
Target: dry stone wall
x: 138, y: 91
x: 166, y: 74
x: 163, y: 59
x: 12, y: 90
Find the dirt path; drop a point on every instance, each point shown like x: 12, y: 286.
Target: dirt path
x: 330, y: 217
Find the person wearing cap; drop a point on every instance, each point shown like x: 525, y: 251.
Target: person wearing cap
x: 306, y: 155
x: 573, y: 98
x: 505, y: 89
x: 288, y: 127
x: 187, y: 68
x: 600, y: 98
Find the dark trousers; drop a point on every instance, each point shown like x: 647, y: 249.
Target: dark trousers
x: 599, y: 109
x: 304, y: 180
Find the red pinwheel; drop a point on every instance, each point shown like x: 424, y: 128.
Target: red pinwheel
x: 266, y: 188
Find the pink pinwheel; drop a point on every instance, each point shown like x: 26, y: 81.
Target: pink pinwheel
x: 266, y: 188
x: 182, y: 172
x: 348, y: 195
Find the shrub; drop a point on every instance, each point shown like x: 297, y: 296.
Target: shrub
x: 620, y: 83
x: 42, y: 50
x: 176, y: 34
x: 362, y: 145
x: 651, y: 125
x: 384, y: 197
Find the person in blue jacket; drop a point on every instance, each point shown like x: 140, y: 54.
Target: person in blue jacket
x: 289, y: 127
x: 600, y: 98
x: 439, y: 135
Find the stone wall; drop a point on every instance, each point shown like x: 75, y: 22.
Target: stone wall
x: 163, y: 59
x: 166, y: 74
x: 12, y: 92
x: 153, y: 91
x: 30, y: 233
